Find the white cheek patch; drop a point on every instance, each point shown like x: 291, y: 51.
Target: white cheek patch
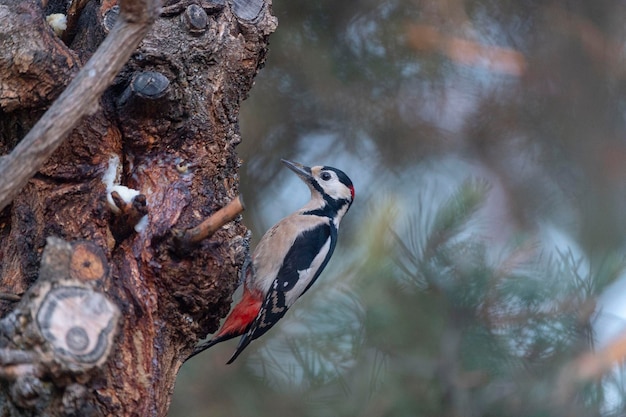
x: 336, y: 189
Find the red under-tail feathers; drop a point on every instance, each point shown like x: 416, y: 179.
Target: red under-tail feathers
x: 237, y: 322
x: 241, y: 317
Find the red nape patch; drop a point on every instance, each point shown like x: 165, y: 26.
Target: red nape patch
x: 242, y: 315
x: 352, y: 191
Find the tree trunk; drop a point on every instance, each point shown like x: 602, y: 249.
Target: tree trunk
x: 153, y: 160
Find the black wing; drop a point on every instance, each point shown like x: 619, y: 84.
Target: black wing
x: 300, y: 257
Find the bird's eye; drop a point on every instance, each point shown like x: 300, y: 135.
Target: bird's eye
x: 325, y: 176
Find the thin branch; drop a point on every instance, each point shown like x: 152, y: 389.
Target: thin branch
x: 206, y: 229
x: 16, y: 357
x: 16, y: 362
x: 5, y: 296
x: 79, y: 99
x: 73, y: 13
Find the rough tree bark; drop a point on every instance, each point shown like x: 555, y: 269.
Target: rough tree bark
x: 111, y: 310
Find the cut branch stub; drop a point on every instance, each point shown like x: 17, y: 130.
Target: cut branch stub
x: 247, y: 9
x: 196, y: 19
x: 184, y: 240
x: 61, y: 330
x: 150, y: 85
x: 78, y: 324
x: 110, y: 17
x: 66, y: 320
x: 209, y: 6
x: 146, y: 94
x: 88, y: 262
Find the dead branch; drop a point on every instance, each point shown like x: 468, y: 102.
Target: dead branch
x: 4, y: 296
x: 206, y: 229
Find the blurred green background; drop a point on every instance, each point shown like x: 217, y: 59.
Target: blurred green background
x: 486, y: 141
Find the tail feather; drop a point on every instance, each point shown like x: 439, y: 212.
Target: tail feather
x: 243, y: 343
x: 205, y: 345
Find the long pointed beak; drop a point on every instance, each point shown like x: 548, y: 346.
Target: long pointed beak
x: 303, y: 172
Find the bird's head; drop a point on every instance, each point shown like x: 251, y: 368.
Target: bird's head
x: 327, y: 183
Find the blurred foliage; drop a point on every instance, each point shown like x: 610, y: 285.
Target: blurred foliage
x: 486, y: 143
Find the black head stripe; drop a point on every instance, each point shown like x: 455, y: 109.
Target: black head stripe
x: 341, y: 175
x: 331, y: 207
x: 317, y: 186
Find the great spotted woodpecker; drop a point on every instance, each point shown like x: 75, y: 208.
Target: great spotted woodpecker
x: 289, y: 257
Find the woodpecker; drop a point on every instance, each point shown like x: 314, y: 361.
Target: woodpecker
x: 289, y: 257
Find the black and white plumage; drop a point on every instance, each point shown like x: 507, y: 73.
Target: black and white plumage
x: 289, y: 257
